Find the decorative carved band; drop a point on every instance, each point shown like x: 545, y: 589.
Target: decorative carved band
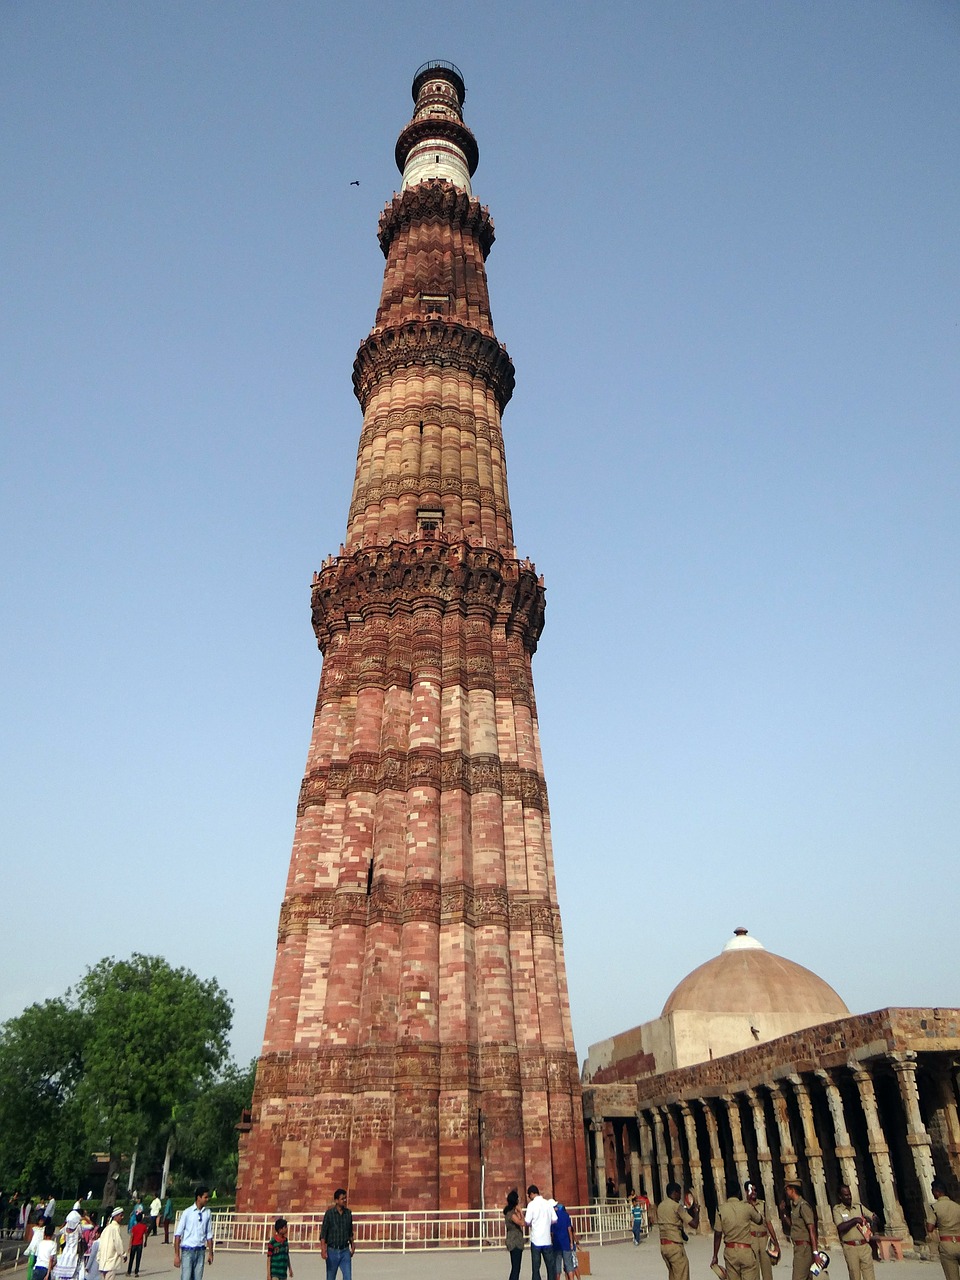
x: 436, y: 200
x: 374, y: 492
x: 423, y: 901
x: 332, y: 1069
x: 439, y: 343
x: 423, y: 767
x: 402, y: 577
x: 428, y: 410
x: 436, y: 127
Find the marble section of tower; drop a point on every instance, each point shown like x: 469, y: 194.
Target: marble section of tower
x: 419, y: 1007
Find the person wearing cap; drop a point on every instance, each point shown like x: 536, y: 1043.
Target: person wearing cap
x: 193, y: 1237
x: 800, y: 1224
x: 111, y: 1253
x: 734, y: 1223
x: 673, y: 1219
x: 761, y: 1236
x: 855, y: 1225
x: 944, y: 1215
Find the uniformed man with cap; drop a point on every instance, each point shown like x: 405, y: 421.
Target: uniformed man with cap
x: 735, y: 1221
x: 945, y: 1215
x: 761, y: 1235
x: 673, y: 1219
x: 855, y: 1225
x: 800, y: 1223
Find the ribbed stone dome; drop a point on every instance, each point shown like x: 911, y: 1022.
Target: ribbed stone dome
x: 747, y: 978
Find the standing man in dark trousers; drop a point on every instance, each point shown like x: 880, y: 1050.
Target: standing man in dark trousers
x: 800, y: 1223
x: 193, y: 1237
x: 336, y: 1237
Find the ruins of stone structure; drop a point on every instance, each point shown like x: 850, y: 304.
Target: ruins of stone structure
x: 419, y: 1025
x: 870, y: 1100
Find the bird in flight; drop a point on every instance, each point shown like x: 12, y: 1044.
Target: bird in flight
x: 355, y: 182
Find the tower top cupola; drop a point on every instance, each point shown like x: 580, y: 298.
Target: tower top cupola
x: 436, y: 143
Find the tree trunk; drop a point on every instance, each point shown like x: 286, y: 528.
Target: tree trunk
x: 133, y: 1169
x: 166, y: 1166
x: 110, y: 1185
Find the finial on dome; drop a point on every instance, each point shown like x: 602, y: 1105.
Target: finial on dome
x: 741, y: 941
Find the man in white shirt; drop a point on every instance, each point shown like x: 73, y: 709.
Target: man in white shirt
x: 540, y: 1217
x: 155, y: 1207
x: 193, y: 1238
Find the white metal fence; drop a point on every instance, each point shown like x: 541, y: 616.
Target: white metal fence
x: 596, y: 1224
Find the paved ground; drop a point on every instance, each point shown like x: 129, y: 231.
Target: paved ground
x: 610, y: 1262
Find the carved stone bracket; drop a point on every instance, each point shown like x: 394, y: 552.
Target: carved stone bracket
x: 436, y: 200
x: 442, y: 344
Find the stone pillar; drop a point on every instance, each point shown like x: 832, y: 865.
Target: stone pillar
x: 696, y: 1166
x: 633, y: 1139
x: 894, y: 1221
x: 646, y: 1157
x: 763, y: 1150
x: 949, y: 1117
x: 846, y: 1153
x: 599, y: 1160
x: 716, y: 1155
x: 736, y: 1132
x: 825, y: 1228
x: 788, y: 1157
x: 905, y: 1065
x: 676, y: 1153
x: 661, y: 1150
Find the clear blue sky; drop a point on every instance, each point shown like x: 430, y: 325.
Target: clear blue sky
x: 727, y: 272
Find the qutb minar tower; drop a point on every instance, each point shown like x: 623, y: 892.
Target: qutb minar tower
x: 419, y: 1024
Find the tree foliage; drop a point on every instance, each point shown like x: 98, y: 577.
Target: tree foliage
x: 157, y: 1036
x: 105, y: 1067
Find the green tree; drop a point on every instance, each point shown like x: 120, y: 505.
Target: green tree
x: 41, y: 1063
x: 103, y: 1067
x: 157, y: 1036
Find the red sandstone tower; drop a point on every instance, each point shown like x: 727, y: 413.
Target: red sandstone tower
x: 419, y: 1019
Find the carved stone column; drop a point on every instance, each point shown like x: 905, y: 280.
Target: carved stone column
x: 814, y: 1155
x: 846, y: 1153
x: 696, y: 1166
x: 661, y: 1150
x: 736, y: 1133
x: 892, y: 1212
x: 646, y: 1157
x: 788, y: 1157
x: 599, y: 1160
x: 716, y: 1155
x: 633, y: 1141
x: 763, y: 1149
x: 949, y: 1116
x: 676, y: 1152
x: 905, y: 1065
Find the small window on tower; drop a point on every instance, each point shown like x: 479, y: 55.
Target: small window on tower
x: 435, y: 304
x: 429, y: 521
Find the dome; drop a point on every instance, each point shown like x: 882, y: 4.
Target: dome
x: 747, y: 978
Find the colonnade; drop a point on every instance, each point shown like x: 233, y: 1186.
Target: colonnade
x: 884, y: 1125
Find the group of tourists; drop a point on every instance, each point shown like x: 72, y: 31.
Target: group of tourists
x: 751, y: 1247
x: 81, y: 1249
x: 553, y: 1240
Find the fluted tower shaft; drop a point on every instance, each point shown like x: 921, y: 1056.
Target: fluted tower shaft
x: 419, y: 1019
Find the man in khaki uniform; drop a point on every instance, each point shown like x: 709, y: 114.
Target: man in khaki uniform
x: 946, y: 1223
x: 760, y: 1235
x: 735, y: 1222
x: 855, y: 1225
x: 801, y: 1224
x: 673, y: 1220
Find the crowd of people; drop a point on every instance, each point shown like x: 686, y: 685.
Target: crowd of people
x: 81, y: 1247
